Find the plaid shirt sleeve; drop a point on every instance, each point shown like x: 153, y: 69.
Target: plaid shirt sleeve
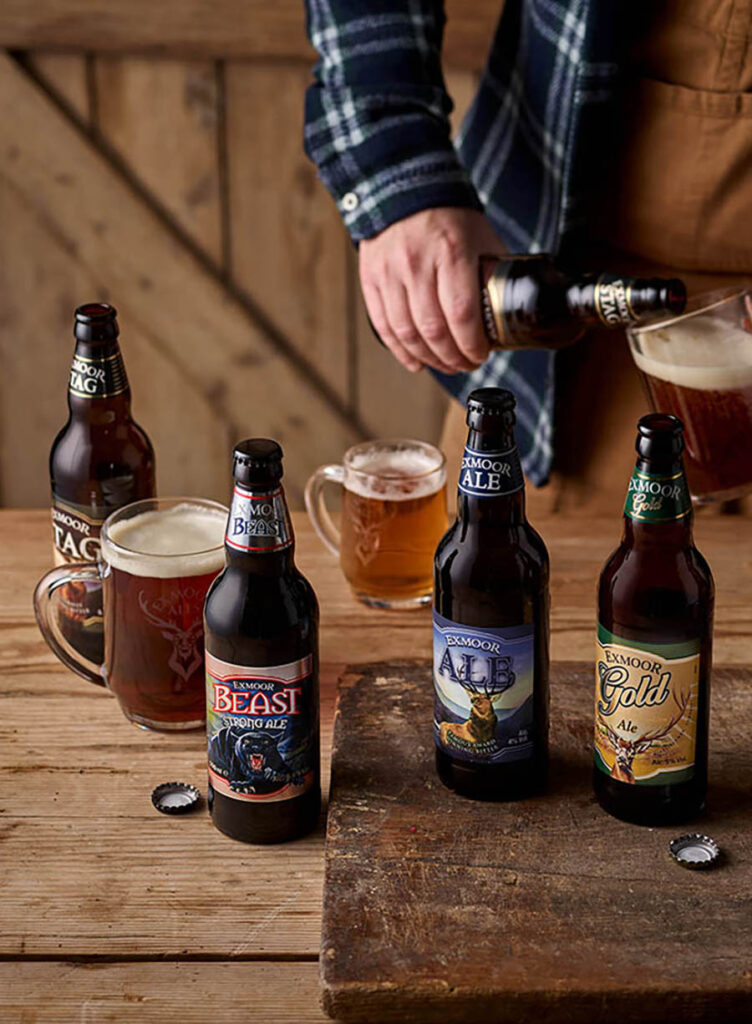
x: 377, y: 113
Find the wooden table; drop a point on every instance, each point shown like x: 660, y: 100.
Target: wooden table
x: 112, y: 912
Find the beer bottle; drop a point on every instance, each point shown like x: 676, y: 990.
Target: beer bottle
x: 491, y: 609
x: 100, y: 460
x: 655, y: 623
x: 528, y: 302
x: 261, y: 632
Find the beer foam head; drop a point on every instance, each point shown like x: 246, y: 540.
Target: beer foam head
x: 704, y: 352
x: 184, y: 540
x: 394, y: 473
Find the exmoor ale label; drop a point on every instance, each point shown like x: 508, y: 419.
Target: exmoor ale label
x: 102, y: 377
x: 483, y: 691
x: 490, y: 474
x: 258, y: 522
x: 652, y: 498
x: 646, y: 698
x: 613, y: 300
x: 261, y: 726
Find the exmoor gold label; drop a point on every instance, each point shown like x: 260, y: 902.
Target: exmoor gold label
x: 646, y: 700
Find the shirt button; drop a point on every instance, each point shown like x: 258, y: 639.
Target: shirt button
x: 350, y: 201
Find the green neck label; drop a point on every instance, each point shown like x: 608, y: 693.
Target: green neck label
x: 656, y: 498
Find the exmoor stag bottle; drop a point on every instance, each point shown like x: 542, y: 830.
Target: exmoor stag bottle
x: 100, y: 461
x: 491, y: 608
x: 261, y: 632
x: 653, y: 656
x: 528, y: 302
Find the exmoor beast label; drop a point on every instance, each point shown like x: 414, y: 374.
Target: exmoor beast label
x: 657, y: 499
x: 490, y: 474
x: 258, y: 522
x: 646, y: 699
x: 483, y: 691
x: 262, y: 729
x: 102, y: 377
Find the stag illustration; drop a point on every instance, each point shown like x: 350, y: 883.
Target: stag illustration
x: 481, y: 725
x: 185, y: 658
x: 625, y: 750
x: 368, y: 519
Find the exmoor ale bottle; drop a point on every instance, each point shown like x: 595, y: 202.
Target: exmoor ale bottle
x: 262, y: 690
x: 491, y: 621
x: 528, y: 302
x: 653, y: 654
x: 100, y: 461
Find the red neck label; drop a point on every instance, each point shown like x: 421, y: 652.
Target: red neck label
x: 258, y: 522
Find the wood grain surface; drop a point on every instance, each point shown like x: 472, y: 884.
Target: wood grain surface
x: 442, y: 909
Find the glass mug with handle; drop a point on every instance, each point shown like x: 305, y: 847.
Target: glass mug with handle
x: 158, y: 558
x: 393, y: 516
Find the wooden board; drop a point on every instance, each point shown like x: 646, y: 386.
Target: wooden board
x: 443, y: 909
x: 220, y: 28
x: 66, y: 75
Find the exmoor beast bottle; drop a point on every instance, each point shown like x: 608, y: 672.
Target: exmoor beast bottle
x: 262, y: 689
x: 491, y: 609
x: 100, y: 461
x: 653, y: 653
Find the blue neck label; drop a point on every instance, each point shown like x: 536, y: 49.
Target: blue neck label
x: 490, y: 474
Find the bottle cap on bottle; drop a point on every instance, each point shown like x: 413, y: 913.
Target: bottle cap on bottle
x: 695, y: 851
x: 660, y: 436
x: 96, y: 321
x: 257, y: 462
x: 175, y: 797
x: 490, y: 407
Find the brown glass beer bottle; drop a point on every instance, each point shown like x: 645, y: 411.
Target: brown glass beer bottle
x: 261, y: 634
x: 100, y: 461
x: 653, y: 656
x: 491, y: 606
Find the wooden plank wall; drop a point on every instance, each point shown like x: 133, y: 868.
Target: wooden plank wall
x: 172, y: 182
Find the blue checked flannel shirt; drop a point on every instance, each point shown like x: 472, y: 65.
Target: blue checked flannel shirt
x: 377, y: 127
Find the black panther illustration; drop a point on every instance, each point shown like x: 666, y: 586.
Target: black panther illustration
x: 247, y: 758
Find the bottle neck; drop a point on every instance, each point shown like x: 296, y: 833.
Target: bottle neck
x: 658, y: 506
x: 98, y: 388
x: 491, y: 488
x: 613, y: 300
x: 259, y: 537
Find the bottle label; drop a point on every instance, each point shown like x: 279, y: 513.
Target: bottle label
x: 490, y: 474
x: 261, y: 726
x: 483, y: 691
x: 76, y: 531
x: 101, y: 377
x: 258, y: 522
x: 613, y: 300
x: 652, y: 498
x: 646, y: 697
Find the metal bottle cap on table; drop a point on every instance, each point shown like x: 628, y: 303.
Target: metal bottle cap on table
x: 175, y: 797
x: 695, y: 851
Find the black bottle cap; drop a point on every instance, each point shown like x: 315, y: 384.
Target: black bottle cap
x: 96, y: 321
x: 257, y: 462
x: 660, y: 436
x: 175, y: 798
x: 490, y: 409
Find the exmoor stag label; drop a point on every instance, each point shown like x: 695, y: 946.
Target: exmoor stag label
x: 483, y: 691
x: 76, y: 532
x: 490, y: 474
x: 258, y: 522
x: 612, y: 300
x: 652, y: 498
x: 102, y: 377
x: 261, y: 726
x: 646, y: 709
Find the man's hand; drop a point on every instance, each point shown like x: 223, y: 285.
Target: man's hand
x: 420, y: 282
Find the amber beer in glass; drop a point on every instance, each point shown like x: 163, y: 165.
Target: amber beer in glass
x: 393, y: 514
x: 653, y: 652
x: 159, y: 557
x: 491, y: 608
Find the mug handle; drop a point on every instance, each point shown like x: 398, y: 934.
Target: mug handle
x: 316, y: 508
x: 45, y: 608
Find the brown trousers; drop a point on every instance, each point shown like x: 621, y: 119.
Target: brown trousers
x: 677, y: 201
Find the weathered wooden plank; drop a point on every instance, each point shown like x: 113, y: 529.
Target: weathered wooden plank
x: 65, y: 75
x: 219, y: 28
x: 160, y: 993
x: 442, y: 909
x: 289, y: 250
x: 161, y: 288
x: 161, y: 117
